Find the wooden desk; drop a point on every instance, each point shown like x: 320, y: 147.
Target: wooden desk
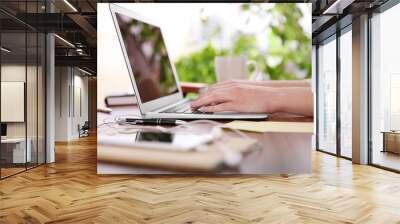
x: 282, y: 153
x: 391, y: 141
x: 19, y: 155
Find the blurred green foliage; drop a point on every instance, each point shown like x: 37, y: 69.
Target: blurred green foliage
x: 199, y: 66
x: 289, y: 47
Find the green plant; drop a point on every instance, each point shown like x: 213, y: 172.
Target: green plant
x: 288, y: 41
x: 289, y: 47
x: 199, y: 66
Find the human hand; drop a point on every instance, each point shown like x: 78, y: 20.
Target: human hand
x: 237, y: 96
x: 268, y: 83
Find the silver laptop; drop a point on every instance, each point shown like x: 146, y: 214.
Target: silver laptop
x: 153, y: 74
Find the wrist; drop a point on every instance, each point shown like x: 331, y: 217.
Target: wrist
x: 276, y: 102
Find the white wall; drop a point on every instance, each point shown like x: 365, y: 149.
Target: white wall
x: 70, y: 83
x: 80, y: 111
x: 62, y: 82
x: 82, y: 82
x: 12, y: 73
x: 111, y: 69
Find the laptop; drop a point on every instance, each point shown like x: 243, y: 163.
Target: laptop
x: 153, y: 74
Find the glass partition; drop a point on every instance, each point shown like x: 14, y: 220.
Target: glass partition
x: 327, y: 96
x: 22, y: 77
x: 13, y: 109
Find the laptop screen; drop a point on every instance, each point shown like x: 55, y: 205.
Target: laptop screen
x: 148, y: 58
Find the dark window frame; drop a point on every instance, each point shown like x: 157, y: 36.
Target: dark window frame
x: 333, y: 37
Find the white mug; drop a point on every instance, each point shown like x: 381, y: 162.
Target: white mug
x: 232, y: 67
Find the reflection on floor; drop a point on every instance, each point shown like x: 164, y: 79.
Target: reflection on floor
x: 70, y: 191
x: 387, y: 159
x: 11, y: 169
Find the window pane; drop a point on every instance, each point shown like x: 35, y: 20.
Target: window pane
x: 327, y: 97
x: 346, y: 94
x: 386, y: 89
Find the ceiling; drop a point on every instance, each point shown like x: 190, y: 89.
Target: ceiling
x: 331, y: 15
x: 77, y: 27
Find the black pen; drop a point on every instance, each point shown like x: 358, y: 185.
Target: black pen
x: 154, y: 121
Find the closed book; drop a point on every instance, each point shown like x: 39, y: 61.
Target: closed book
x: 126, y: 99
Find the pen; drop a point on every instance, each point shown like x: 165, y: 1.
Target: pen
x: 155, y: 121
x: 104, y: 110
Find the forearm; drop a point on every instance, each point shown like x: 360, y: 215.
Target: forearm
x: 279, y: 83
x: 296, y: 100
x: 246, y: 98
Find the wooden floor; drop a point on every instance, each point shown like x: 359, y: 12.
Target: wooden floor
x: 69, y: 191
x: 387, y: 159
x: 5, y: 172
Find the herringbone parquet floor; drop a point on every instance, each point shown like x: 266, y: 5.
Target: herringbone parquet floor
x: 69, y: 191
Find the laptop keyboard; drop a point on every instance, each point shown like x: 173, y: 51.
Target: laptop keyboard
x: 183, y: 109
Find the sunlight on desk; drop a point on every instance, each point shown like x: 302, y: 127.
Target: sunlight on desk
x: 272, y: 126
